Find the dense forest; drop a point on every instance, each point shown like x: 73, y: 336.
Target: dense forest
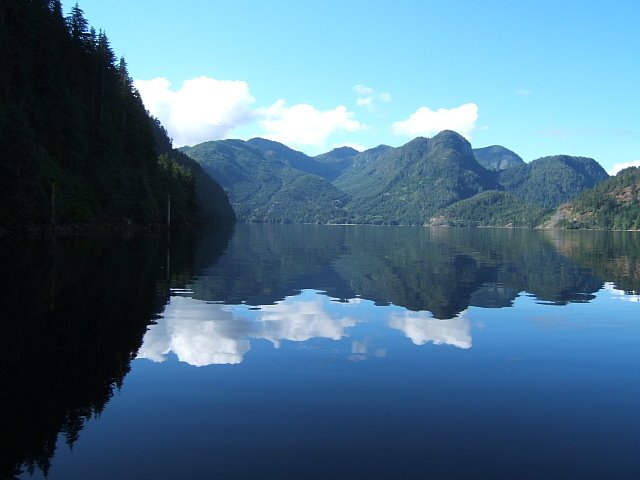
x: 428, y: 181
x: 611, y: 205
x: 263, y: 185
x: 491, y: 208
x: 78, y: 145
x: 551, y: 181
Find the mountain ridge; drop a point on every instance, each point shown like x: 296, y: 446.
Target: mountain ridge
x: 419, y: 183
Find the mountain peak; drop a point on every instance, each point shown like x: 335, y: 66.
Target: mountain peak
x: 497, y: 157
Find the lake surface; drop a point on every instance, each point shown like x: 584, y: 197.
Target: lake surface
x: 323, y: 352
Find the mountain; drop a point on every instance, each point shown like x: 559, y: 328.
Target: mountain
x: 491, y: 209
x: 551, y: 181
x: 409, y: 184
x: 289, y: 156
x: 496, y: 158
x: 612, y: 205
x: 336, y: 161
x: 212, y: 204
x: 436, y: 181
x: 262, y: 184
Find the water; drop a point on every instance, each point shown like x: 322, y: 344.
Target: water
x: 323, y: 352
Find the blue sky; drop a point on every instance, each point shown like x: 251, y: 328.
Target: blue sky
x: 538, y: 77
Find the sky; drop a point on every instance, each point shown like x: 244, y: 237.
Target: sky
x: 538, y: 77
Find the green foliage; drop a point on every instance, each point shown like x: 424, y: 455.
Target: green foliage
x: 208, y: 202
x: 409, y: 184
x: 612, y: 205
x: 551, y: 181
x: 491, y: 209
x: 77, y: 143
x: 263, y: 187
x: 336, y: 161
x: 496, y: 158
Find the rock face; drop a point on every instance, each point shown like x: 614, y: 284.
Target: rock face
x: 497, y: 158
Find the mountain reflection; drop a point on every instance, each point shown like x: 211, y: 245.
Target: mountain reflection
x: 76, y: 312
x: 441, y: 271
x: 276, y: 282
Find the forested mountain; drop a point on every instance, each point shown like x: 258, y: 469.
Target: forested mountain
x: 264, y: 187
x: 212, y: 204
x: 77, y: 143
x: 613, y: 205
x: 409, y: 184
x: 496, y: 158
x: 292, y: 158
x: 436, y: 181
x: 551, y: 181
x: 336, y: 161
x: 491, y: 209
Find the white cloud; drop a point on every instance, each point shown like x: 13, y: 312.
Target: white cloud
x: 367, y: 97
x: 363, y: 90
x: 365, y: 102
x: 523, y: 92
x: 202, y: 109
x: 303, y: 124
x: 620, y: 166
x: 427, y: 122
x: 421, y: 328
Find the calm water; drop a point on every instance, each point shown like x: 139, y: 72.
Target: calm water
x: 323, y: 352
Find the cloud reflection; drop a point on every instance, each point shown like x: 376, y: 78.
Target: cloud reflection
x: 202, y: 333
x: 299, y: 321
x: 422, y: 328
x: 198, y: 333
x: 618, y: 294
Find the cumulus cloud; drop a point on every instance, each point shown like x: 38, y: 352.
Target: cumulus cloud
x: 421, y: 328
x: 621, y: 166
x: 203, y: 109
x: 367, y: 97
x: 303, y: 124
x: 427, y: 122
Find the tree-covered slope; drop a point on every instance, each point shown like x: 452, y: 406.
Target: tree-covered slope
x: 551, y: 181
x: 263, y: 187
x: 212, y: 203
x: 496, y: 158
x: 76, y: 141
x: 336, y: 161
x: 491, y: 209
x: 612, y: 205
x: 409, y: 184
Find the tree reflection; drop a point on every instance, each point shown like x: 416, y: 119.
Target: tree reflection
x: 75, y: 312
x: 440, y: 270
